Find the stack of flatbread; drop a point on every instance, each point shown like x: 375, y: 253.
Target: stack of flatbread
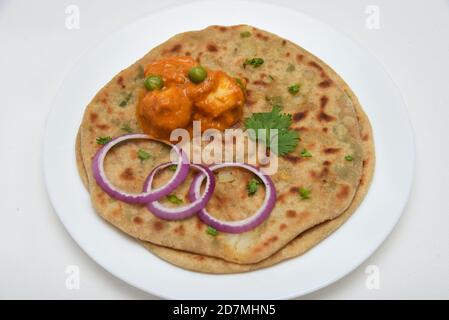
x: 327, y: 115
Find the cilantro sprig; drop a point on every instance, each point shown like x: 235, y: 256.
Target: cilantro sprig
x: 252, y: 186
x: 254, y: 62
x: 174, y: 199
x: 304, y: 193
x: 287, y: 139
x: 103, y: 140
x: 211, y: 231
x: 143, y: 155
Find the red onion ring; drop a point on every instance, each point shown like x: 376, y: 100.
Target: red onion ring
x: 188, y: 210
x: 140, y: 198
x: 242, y: 225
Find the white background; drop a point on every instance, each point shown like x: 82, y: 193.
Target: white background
x: 37, y: 50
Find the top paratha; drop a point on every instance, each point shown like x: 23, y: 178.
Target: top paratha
x: 323, y: 114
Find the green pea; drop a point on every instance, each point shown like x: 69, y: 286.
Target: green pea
x: 197, y: 74
x: 153, y: 83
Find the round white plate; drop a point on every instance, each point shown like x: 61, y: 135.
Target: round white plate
x: 332, y: 259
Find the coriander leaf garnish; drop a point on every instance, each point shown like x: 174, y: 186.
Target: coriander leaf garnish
x: 103, y: 140
x: 255, y: 62
x: 125, y: 100
x: 174, y: 199
x: 349, y: 157
x: 143, y: 155
x: 287, y: 139
x: 294, y: 88
x: 291, y: 67
x: 305, y: 153
x: 241, y: 84
x: 245, y: 34
x: 126, y: 127
x: 252, y: 186
x: 304, y: 193
x: 212, y: 231
x: 173, y: 167
x: 270, y: 77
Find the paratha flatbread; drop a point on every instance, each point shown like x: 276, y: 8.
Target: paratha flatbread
x: 323, y: 114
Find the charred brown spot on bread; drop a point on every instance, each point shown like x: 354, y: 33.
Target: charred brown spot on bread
x: 250, y: 102
x: 325, y: 129
x: 199, y: 224
x: 313, y: 174
x: 325, y: 83
x: 212, y: 47
x: 93, y: 116
x: 133, y: 154
x: 199, y: 258
x: 365, y: 162
x: 281, y: 197
x: 187, y: 53
x: 323, y: 116
x: 315, y: 65
x: 324, y: 172
x: 323, y: 101
x: 287, y: 54
x: 291, y: 213
x: 282, y: 226
x: 299, y: 116
x: 284, y: 42
x: 365, y: 137
x: 260, y: 83
x: 294, y: 190
x: 292, y: 159
x: 176, y: 48
x: 127, y: 174
x: 331, y: 150
x: 270, y: 240
x: 299, y: 58
x: 102, y: 126
x: 343, y: 192
x: 262, y: 37
x: 198, y: 58
x: 179, y: 230
x: 223, y: 29
x: 327, y: 163
x: 158, y: 225
x: 120, y: 82
x: 138, y: 220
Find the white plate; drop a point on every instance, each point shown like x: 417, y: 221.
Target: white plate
x: 332, y: 259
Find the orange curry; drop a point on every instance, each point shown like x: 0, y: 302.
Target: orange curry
x: 217, y: 101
